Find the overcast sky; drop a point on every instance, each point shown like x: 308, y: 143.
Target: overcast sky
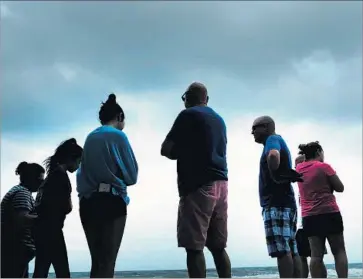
x: 300, y: 62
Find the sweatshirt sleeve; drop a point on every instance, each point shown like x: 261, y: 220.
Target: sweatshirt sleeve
x: 125, y: 159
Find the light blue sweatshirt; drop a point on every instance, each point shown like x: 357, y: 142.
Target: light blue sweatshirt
x: 107, y: 158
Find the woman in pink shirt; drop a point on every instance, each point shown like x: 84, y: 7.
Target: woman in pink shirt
x: 321, y: 216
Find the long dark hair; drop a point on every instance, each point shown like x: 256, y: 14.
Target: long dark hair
x: 68, y: 150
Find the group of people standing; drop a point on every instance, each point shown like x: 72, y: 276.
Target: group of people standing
x: 106, y: 166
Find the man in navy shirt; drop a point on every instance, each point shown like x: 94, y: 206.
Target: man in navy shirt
x: 277, y: 197
x: 198, y: 142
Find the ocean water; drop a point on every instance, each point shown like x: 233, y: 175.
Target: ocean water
x: 355, y: 271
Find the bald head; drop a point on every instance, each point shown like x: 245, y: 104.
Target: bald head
x: 265, y: 120
x: 196, y: 94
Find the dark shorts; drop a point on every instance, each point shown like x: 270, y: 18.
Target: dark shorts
x: 280, y: 230
x: 323, y: 225
x: 102, y: 206
x: 303, y: 245
x: 202, y: 217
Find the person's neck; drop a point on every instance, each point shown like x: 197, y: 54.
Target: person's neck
x: 112, y: 124
x: 198, y: 105
x: 312, y: 160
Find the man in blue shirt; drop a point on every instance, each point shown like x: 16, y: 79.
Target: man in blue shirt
x: 277, y: 197
x: 198, y: 142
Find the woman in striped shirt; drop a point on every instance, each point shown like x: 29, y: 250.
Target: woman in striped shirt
x: 17, y: 206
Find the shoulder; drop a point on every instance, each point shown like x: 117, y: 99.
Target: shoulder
x: 277, y: 138
x: 327, y: 168
x: 22, y: 196
x: 20, y: 190
x: 274, y: 142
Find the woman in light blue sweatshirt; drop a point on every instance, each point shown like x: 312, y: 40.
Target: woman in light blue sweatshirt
x: 108, y: 166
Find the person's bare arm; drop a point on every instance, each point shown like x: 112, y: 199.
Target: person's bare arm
x: 336, y: 184
x: 273, y: 159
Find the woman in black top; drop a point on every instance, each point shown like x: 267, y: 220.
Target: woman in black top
x: 17, y: 220
x: 53, y: 203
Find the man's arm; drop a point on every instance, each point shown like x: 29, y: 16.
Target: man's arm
x: 126, y: 160
x: 171, y: 145
x: 272, y: 151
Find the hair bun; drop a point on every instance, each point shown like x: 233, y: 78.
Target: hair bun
x: 111, y: 98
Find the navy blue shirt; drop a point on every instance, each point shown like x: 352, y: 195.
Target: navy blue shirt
x: 271, y: 193
x: 200, y: 142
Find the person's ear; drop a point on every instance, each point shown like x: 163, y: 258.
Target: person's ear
x: 207, y: 99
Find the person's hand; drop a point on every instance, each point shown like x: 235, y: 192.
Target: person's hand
x: 293, y: 176
x: 289, y: 176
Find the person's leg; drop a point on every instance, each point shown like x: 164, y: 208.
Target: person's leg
x: 278, y: 245
x: 194, y: 214
x: 196, y: 264
x: 112, y: 233
x: 304, y: 267
x: 42, y: 265
x: 337, y: 247
x: 303, y: 248
x: 289, y: 233
x: 60, y: 256
x: 21, y: 258
x: 317, y: 267
x: 218, y: 233
x: 92, y: 228
x: 26, y: 272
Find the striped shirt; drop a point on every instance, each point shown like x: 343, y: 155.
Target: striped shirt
x: 19, y: 198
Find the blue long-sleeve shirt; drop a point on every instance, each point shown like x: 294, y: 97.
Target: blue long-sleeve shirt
x: 107, y: 158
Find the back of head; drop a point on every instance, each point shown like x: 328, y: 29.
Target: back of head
x: 310, y: 150
x: 67, y: 151
x: 28, y: 172
x: 111, y: 110
x: 196, y: 94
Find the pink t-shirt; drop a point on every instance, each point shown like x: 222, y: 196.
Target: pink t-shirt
x: 316, y: 196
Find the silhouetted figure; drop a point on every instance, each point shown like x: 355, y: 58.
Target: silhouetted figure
x: 53, y: 203
x: 108, y: 166
x: 17, y: 221
x: 321, y: 216
x: 198, y: 142
x: 277, y: 197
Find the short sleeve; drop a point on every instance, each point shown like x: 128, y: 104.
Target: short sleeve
x: 328, y: 170
x: 272, y: 143
x: 23, y: 200
x: 180, y: 127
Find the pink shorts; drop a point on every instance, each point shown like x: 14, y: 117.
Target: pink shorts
x: 202, y: 217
